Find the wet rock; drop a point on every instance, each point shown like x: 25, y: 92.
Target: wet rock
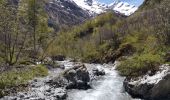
x: 60, y: 94
x: 76, y: 77
x: 62, y: 66
x: 49, y: 90
x: 70, y: 75
x: 83, y: 85
x: 71, y: 85
x: 155, y: 87
x: 35, y: 80
x: 48, y: 81
x: 98, y: 72
x: 59, y: 82
x: 58, y: 58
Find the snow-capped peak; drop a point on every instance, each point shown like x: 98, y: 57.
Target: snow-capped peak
x: 123, y: 8
x: 95, y: 7
x: 92, y: 6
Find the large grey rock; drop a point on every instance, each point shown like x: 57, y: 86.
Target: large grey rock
x: 74, y: 78
x: 156, y: 87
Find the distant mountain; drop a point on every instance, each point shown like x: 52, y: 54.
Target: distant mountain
x: 72, y: 12
x: 123, y: 8
x: 92, y: 6
x: 95, y: 7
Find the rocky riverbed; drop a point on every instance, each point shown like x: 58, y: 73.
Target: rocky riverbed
x: 76, y: 81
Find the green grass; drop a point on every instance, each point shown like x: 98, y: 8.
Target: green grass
x: 18, y: 77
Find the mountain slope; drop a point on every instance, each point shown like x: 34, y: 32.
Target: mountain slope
x: 73, y: 12
x: 65, y: 12
x: 150, y: 4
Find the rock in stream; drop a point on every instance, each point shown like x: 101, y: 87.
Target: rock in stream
x: 151, y: 87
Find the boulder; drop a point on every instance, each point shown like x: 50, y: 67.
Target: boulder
x: 76, y: 77
x: 155, y: 87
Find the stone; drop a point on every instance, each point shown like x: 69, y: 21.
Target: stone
x: 98, y: 72
x: 21, y: 95
x: 62, y: 66
x: 60, y: 94
x: 76, y: 77
x: 155, y: 87
x: 58, y: 58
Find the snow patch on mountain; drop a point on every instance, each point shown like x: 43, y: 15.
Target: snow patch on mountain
x: 92, y: 6
x: 123, y: 8
x: 96, y: 7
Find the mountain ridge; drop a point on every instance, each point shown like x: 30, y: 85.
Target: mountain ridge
x: 95, y: 7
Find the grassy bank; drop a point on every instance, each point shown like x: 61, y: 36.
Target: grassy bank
x: 20, y: 76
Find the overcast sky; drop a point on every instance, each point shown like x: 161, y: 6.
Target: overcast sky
x: 134, y: 2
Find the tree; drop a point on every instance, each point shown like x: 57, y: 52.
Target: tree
x: 12, y: 41
x: 37, y: 20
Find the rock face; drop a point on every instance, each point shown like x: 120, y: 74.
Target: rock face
x: 74, y: 78
x: 65, y: 12
x: 156, y: 87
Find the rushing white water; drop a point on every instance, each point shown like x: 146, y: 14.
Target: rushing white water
x: 108, y: 87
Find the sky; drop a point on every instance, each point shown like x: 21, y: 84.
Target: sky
x: 133, y: 2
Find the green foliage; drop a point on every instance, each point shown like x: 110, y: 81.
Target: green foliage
x: 140, y: 64
x: 90, y: 53
x: 17, y: 77
x: 143, y: 37
x: 24, y: 30
x: 87, y: 41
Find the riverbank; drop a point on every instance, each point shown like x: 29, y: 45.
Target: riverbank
x: 152, y: 86
x: 104, y: 81
x: 16, y: 78
x: 84, y: 81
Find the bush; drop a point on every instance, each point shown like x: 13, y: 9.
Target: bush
x: 140, y: 64
x: 90, y: 53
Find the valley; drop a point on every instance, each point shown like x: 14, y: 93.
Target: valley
x: 84, y: 50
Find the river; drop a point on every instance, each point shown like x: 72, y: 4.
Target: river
x: 107, y: 87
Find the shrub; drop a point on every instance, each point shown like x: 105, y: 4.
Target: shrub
x: 140, y: 64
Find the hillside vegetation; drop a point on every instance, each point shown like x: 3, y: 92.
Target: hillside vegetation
x: 89, y: 41
x: 140, y: 42
x: 24, y: 35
